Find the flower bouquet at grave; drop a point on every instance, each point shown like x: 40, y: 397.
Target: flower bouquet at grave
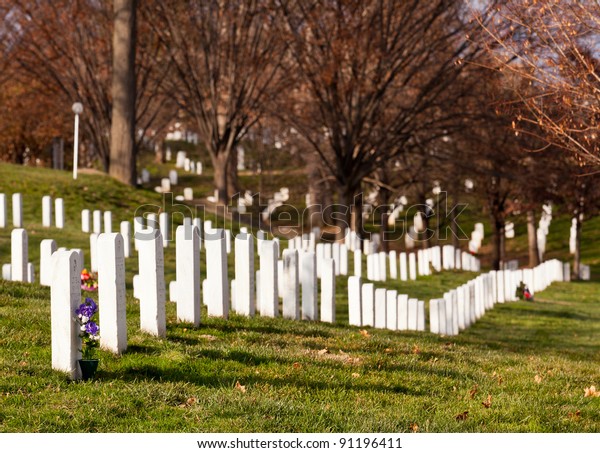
x: 89, y: 331
x: 89, y: 281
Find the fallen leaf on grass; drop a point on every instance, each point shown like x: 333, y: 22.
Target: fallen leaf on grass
x: 387, y: 350
x: 463, y: 416
x: 473, y: 392
x: 23, y: 363
x: 208, y: 337
x: 414, y: 427
x: 296, y: 365
x: 323, y: 351
x: 364, y: 333
x: 416, y: 349
x: 537, y: 379
x: 591, y: 392
x: 240, y: 387
x: 575, y: 415
x: 488, y: 402
x: 355, y: 375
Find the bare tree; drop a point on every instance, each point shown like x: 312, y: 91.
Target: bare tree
x: 225, y: 66
x: 373, y: 78
x: 552, y: 46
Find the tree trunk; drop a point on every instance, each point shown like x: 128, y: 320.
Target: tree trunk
x: 534, y: 253
x: 577, y: 255
x: 219, y: 161
x: 233, y: 186
x: 498, y: 256
x: 351, y: 203
x: 122, y: 133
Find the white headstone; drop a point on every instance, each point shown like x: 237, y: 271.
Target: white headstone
x: 413, y: 309
x: 2, y: 210
x: 412, y: 266
x: 47, y: 248
x: 343, y: 263
x: 165, y: 185
x: 328, y: 290
x: 19, y: 255
x: 392, y: 309
x: 421, y: 315
x: 30, y: 273
x: 434, y: 319
x: 145, y: 176
x: 85, y: 220
x: 308, y: 280
x: 172, y: 178
x: 354, y: 301
x: 368, y: 304
x: 380, y: 308
x: 188, y: 274
x: 188, y: 194
x: 107, y: 222
x: 403, y: 267
x: 216, y: 273
x: 59, y: 213
x: 269, y: 299
x: 383, y: 266
x: 111, y: 292
x: 244, y: 275
x: 198, y: 168
x: 165, y: 230
x: 93, y: 252
x: 97, y: 221
x: 180, y: 159
x: 152, y: 283
x: 291, y: 285
x: 393, y: 258
x: 6, y: 272
x: 17, y: 210
x: 65, y: 298
x: 402, y: 312
x: 47, y: 211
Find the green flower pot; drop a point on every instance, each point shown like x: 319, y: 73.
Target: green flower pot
x: 88, y: 368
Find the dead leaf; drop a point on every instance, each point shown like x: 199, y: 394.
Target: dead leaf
x: 240, y: 387
x: 23, y: 363
x: 190, y: 401
x: 537, y: 378
x: 414, y: 427
x: 297, y: 366
x: 416, y: 349
x: 208, y: 337
x: 364, y: 333
x: 591, y: 392
x: 575, y: 415
x: 463, y: 416
x: 323, y: 351
x: 387, y: 350
x: 488, y: 402
x: 473, y: 392
x: 355, y: 375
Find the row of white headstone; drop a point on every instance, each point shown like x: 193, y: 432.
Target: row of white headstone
x: 411, y: 265
x: 461, y: 307
x: 20, y: 268
x: 65, y: 297
x: 182, y: 161
x: 17, y: 211
x: 292, y: 278
x: 383, y: 308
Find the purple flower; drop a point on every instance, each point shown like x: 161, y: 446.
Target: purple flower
x: 92, y: 328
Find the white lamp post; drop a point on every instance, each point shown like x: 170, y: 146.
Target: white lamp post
x: 77, y: 109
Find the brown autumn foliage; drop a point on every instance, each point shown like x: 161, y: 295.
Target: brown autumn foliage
x: 550, y: 44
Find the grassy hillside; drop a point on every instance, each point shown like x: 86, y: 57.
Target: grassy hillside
x: 528, y: 362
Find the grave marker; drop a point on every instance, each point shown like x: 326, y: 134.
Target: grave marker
x: 65, y: 298
x: 245, y: 300
x: 152, y: 283
x: 19, y: 255
x: 111, y: 292
x: 216, y: 274
x: 269, y: 299
x: 291, y: 285
x: 59, y: 213
x: 354, y: 301
x: 17, y: 210
x: 308, y: 279
x: 188, y: 274
x: 47, y: 211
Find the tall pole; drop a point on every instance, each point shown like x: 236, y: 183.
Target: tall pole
x: 77, y: 109
x: 75, y: 146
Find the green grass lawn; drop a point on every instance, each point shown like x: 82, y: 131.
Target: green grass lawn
x: 528, y: 362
